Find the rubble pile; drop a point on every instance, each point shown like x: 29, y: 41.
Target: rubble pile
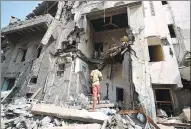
x: 181, y: 121
x: 121, y: 122
x: 24, y: 114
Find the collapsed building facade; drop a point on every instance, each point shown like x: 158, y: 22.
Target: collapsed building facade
x: 49, y: 56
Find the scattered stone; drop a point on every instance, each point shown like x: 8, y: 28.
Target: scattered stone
x: 185, y: 115
x: 165, y: 127
x: 46, y: 120
x: 161, y: 113
x: 106, y: 111
x: 141, y: 117
x: 130, y: 121
x: 138, y: 127
x: 57, y: 122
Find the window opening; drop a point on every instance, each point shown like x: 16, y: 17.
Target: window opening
x: 164, y: 2
x: 24, y: 51
x: 172, y: 31
x: 8, y: 84
x: 155, y: 53
x: 163, y: 100
x: 39, y: 52
x: 33, y: 80
x: 119, y: 94
x: 98, y: 49
x: 29, y: 95
x: 61, y: 68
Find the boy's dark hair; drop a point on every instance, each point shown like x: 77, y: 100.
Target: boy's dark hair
x: 95, y: 67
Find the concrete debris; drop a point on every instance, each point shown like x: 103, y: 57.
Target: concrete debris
x: 66, y: 113
x: 62, y: 90
x: 185, y: 115
x: 84, y: 126
x: 141, y: 117
x: 165, y: 127
x: 122, y: 122
x: 46, y: 120
x: 5, y: 93
x: 57, y: 122
x: 107, y: 111
x: 161, y: 113
x: 21, y: 114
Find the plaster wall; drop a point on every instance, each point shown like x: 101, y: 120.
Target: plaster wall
x: 182, y: 20
x: 81, y: 65
x: 163, y: 72
x: 183, y: 98
x: 15, y: 67
x: 32, y: 66
x: 115, y: 81
x: 86, y: 45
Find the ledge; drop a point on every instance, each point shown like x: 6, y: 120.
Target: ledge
x: 46, y: 19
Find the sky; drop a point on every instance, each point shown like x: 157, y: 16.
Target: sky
x: 18, y: 9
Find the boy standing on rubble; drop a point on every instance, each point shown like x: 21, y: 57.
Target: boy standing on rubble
x: 96, y: 77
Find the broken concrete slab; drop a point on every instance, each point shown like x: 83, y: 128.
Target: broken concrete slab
x: 165, y: 127
x: 161, y: 113
x: 66, y: 113
x: 185, y: 115
x: 84, y: 126
x: 101, y: 106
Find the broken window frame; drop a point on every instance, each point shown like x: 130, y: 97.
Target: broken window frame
x: 172, y: 30
x: 60, y: 70
x: 162, y: 53
x: 164, y: 2
x: 8, y: 84
x: 23, y: 52
x: 24, y: 55
x: 164, y: 102
x: 39, y: 50
x: 32, y: 78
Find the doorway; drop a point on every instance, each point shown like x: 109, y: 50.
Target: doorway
x: 119, y: 94
x: 164, y: 100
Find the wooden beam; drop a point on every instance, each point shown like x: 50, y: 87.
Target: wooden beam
x: 163, y: 102
x: 122, y: 112
x: 175, y: 124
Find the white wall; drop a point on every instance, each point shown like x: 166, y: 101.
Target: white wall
x: 86, y: 45
x: 80, y: 65
x: 181, y: 13
x: 116, y: 81
x: 163, y: 72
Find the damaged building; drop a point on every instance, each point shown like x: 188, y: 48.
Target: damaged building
x: 49, y: 56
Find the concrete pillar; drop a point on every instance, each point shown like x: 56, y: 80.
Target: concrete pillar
x: 127, y: 95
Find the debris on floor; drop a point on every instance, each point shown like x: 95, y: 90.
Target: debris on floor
x: 185, y: 115
x: 28, y: 114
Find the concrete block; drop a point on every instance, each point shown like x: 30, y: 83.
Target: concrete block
x: 161, y: 113
x: 83, y: 126
x: 66, y: 113
x: 185, y: 115
x: 165, y: 127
